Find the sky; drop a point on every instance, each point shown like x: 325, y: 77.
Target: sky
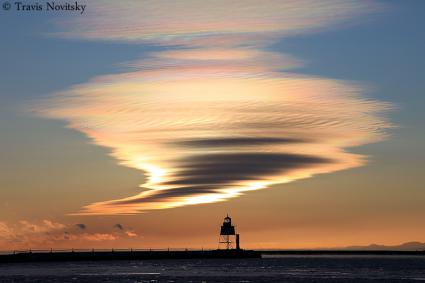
x: 129, y: 125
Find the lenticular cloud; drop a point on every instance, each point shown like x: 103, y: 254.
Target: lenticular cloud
x: 217, y: 115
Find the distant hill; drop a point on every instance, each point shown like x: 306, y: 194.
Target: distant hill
x: 409, y: 246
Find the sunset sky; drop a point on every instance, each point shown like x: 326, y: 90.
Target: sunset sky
x: 143, y: 123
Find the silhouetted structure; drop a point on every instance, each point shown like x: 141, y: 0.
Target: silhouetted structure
x: 97, y: 255
x: 228, y: 235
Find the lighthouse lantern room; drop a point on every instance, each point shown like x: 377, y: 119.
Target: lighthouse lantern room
x: 228, y: 235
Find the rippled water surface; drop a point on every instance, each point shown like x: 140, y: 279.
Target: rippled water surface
x: 271, y: 269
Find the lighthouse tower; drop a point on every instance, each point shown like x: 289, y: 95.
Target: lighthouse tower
x: 228, y: 235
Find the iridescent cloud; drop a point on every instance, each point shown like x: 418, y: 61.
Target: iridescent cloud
x: 217, y: 116
x: 208, y: 23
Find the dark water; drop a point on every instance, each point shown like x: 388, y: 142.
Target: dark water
x: 276, y: 269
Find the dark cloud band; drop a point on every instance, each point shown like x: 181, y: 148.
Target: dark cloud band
x: 209, y: 173
x: 236, y: 141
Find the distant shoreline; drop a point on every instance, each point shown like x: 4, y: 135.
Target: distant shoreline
x: 341, y: 252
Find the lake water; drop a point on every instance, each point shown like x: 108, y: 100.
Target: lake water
x: 356, y: 269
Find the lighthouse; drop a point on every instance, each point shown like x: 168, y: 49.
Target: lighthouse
x: 228, y: 235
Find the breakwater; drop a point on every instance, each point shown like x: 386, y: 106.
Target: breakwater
x: 97, y: 255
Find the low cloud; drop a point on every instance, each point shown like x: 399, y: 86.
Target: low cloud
x: 45, y: 233
x: 91, y: 237
x: 128, y: 232
x: 119, y: 226
x: 131, y: 234
x: 81, y: 226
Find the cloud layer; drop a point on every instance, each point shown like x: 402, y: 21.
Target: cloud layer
x: 27, y: 234
x: 217, y: 114
x: 208, y: 23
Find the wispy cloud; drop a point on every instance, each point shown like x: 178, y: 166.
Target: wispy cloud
x: 208, y: 23
x: 219, y: 115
